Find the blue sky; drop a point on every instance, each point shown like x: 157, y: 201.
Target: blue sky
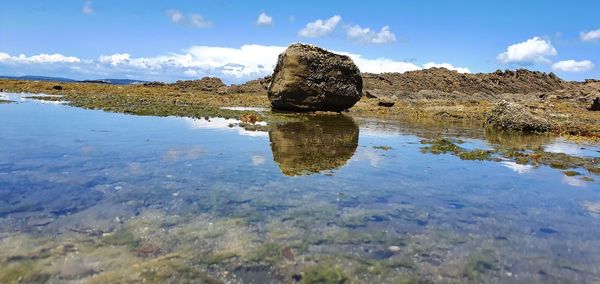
x: 171, y: 40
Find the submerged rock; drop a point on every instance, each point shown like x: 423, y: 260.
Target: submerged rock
x: 323, y: 142
x: 309, y: 78
x: 513, y: 116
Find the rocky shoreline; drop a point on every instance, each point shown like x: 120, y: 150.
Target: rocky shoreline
x: 437, y: 93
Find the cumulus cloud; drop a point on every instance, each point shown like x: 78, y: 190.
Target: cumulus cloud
x: 381, y: 65
x: 232, y: 64
x: 447, y: 66
x: 87, y: 8
x: 193, y: 20
x: 37, y: 59
x: 590, y: 35
x: 320, y: 27
x: 573, y: 66
x: 175, y: 15
x: 534, y: 50
x: 365, y: 35
x: 264, y: 19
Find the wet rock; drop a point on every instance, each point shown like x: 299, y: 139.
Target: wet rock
x: 309, y: 78
x: 386, y: 103
x: 323, y: 142
x: 513, y: 116
x: 595, y: 105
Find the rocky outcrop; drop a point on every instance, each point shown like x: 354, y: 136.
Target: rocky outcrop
x: 513, y: 116
x: 309, y: 78
x: 322, y: 142
x: 206, y: 84
x: 444, y: 80
x: 253, y: 86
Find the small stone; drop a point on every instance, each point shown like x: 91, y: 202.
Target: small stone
x: 394, y: 249
x: 147, y: 250
x: 386, y: 103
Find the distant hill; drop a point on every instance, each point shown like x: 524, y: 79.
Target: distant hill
x: 67, y: 80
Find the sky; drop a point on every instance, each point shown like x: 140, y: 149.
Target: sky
x: 240, y: 40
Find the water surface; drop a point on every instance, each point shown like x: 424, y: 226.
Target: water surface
x: 92, y: 196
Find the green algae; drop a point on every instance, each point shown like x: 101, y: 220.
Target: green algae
x: 441, y: 146
x: 382, y: 147
x: 479, y: 263
x: 571, y: 173
x: 268, y: 253
x: 23, y: 272
x: 175, y: 272
x: 121, y: 237
x: 479, y: 155
x: 323, y: 274
x: 5, y: 102
x: 218, y: 257
x: 594, y: 170
x: 534, y: 157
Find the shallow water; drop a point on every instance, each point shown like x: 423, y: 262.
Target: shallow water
x: 104, y: 197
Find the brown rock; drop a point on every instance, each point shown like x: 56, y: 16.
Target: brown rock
x: 386, y: 103
x: 513, y: 116
x: 309, y: 78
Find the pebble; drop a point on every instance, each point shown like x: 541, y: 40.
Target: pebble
x: 394, y: 249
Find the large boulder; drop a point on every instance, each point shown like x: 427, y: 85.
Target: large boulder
x: 512, y: 116
x: 309, y: 78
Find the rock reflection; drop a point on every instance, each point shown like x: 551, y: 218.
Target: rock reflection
x: 517, y: 140
x: 321, y: 142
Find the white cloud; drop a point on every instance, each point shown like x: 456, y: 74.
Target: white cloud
x: 590, y: 35
x: 381, y: 65
x: 229, y: 63
x: 87, y: 8
x: 534, y: 50
x: 193, y: 20
x: 264, y: 19
x: 37, y: 59
x: 573, y: 66
x: 175, y: 15
x: 114, y: 59
x: 320, y: 27
x: 197, y: 21
x: 366, y: 35
x: 447, y: 66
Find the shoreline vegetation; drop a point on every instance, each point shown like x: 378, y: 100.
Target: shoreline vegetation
x: 434, y: 94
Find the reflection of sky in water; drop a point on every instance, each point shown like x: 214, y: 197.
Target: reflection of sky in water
x: 562, y: 146
x: 517, y: 168
x: 222, y: 124
x: 84, y: 169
